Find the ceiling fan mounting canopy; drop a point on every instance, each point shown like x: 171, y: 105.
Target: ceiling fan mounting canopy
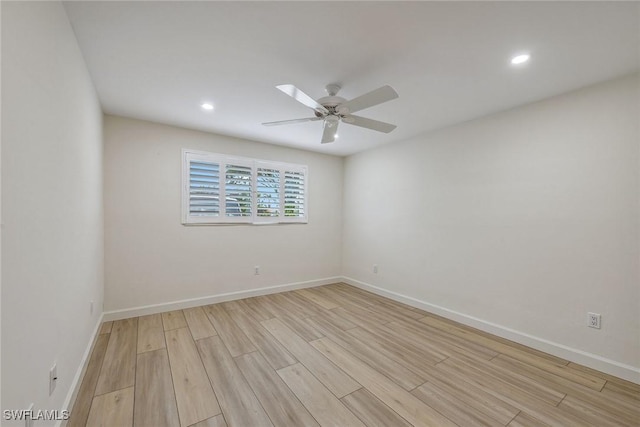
x: 332, y: 109
x: 332, y: 89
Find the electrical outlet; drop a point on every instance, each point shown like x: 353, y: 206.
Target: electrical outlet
x: 53, y: 378
x: 256, y: 270
x: 375, y: 268
x: 593, y: 320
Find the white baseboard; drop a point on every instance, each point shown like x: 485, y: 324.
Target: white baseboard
x: 620, y: 370
x: 591, y: 360
x: 213, y: 299
x: 77, y: 379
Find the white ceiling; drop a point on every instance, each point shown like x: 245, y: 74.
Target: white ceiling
x: 449, y: 61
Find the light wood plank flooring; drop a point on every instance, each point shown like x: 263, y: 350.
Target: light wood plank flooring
x: 333, y: 356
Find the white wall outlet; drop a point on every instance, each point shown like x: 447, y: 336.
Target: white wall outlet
x: 375, y: 268
x: 256, y: 270
x: 593, y: 320
x: 53, y: 378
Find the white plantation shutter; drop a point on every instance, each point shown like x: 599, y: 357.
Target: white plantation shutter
x: 268, y: 192
x: 238, y: 191
x: 295, y: 194
x: 204, y: 189
x: 219, y: 189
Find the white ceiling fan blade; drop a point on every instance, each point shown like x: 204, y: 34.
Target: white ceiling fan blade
x: 375, y: 97
x: 330, y: 130
x: 287, y: 122
x: 302, y: 97
x: 369, y: 123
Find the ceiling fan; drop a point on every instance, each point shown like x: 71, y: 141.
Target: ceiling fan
x: 333, y: 109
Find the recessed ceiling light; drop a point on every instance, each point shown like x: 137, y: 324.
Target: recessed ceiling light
x: 337, y: 136
x: 207, y: 106
x: 520, y: 59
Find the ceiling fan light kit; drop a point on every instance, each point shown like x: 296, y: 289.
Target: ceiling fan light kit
x: 331, y: 121
x: 332, y: 109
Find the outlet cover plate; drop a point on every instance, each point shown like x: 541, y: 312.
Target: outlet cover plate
x: 593, y: 320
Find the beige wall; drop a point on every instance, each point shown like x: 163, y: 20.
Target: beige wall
x: 52, y: 241
x: 526, y: 219
x: 151, y: 258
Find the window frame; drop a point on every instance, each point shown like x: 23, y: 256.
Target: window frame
x: 223, y: 160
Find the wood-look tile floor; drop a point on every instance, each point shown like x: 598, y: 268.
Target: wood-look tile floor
x: 333, y: 356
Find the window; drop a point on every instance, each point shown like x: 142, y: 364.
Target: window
x: 220, y: 189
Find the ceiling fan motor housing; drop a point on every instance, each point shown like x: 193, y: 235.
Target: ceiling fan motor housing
x: 332, y: 101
